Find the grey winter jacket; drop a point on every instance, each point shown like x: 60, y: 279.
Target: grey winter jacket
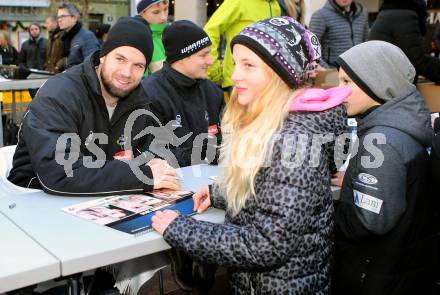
x: 338, y: 31
x: 82, y: 45
x: 280, y: 242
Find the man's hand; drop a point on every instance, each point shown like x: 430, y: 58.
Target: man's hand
x: 201, y: 200
x: 164, y: 176
x: 162, y: 219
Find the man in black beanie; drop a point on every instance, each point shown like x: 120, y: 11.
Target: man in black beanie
x: 72, y: 141
x: 182, y: 97
x: 188, y: 106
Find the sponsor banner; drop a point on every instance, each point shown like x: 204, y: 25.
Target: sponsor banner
x: 31, y: 3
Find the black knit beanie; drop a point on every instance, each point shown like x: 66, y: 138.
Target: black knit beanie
x: 183, y: 38
x: 144, y: 4
x: 129, y: 32
x: 283, y: 44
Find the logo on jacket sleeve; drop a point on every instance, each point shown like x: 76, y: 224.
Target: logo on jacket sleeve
x: 212, y: 130
x: 367, y: 202
x: 122, y: 141
x: 367, y: 178
x: 178, y: 121
x: 89, y: 138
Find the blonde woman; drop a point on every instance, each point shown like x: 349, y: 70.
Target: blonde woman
x: 277, y: 233
x: 8, y: 52
x: 293, y: 8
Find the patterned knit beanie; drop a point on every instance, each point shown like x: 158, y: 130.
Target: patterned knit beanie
x: 285, y: 45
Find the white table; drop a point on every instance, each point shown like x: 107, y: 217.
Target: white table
x: 21, y: 84
x: 68, y: 244
x: 23, y: 261
x: 81, y: 245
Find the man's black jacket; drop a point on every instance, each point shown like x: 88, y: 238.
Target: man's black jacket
x: 71, y: 104
x: 191, y: 108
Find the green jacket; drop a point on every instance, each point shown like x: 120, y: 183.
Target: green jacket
x: 159, y: 51
x: 228, y: 20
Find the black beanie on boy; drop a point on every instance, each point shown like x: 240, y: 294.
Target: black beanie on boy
x: 129, y: 32
x: 183, y: 38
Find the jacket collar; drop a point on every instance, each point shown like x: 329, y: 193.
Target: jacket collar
x: 72, y: 32
x: 178, y: 79
x: 35, y: 40
x: 355, y: 9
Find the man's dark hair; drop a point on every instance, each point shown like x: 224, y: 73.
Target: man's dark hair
x: 34, y: 24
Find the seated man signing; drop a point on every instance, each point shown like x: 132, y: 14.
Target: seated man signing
x: 79, y: 135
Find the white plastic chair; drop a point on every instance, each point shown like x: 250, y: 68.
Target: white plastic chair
x: 7, y: 187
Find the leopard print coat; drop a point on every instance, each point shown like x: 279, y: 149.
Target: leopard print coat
x: 280, y: 242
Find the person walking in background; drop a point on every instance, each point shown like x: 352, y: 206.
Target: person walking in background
x: 54, y: 56
x: 155, y: 13
x: 228, y: 20
x: 78, y: 43
x: 339, y: 25
x: 32, y: 54
x: 277, y: 234
x: 8, y: 52
x: 403, y: 23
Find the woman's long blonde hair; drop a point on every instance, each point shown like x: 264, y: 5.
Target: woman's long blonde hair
x: 5, y: 37
x: 247, y: 133
x: 293, y: 12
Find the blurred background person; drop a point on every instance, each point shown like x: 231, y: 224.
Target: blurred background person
x: 339, y: 25
x: 101, y: 32
x: 8, y: 52
x: 228, y: 20
x: 78, y: 43
x: 293, y: 8
x: 33, y: 51
x: 436, y: 39
x: 155, y: 13
x: 54, y: 54
x: 403, y: 23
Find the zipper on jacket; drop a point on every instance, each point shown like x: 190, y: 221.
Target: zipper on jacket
x: 328, y: 56
x: 350, y: 21
x: 270, y: 7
